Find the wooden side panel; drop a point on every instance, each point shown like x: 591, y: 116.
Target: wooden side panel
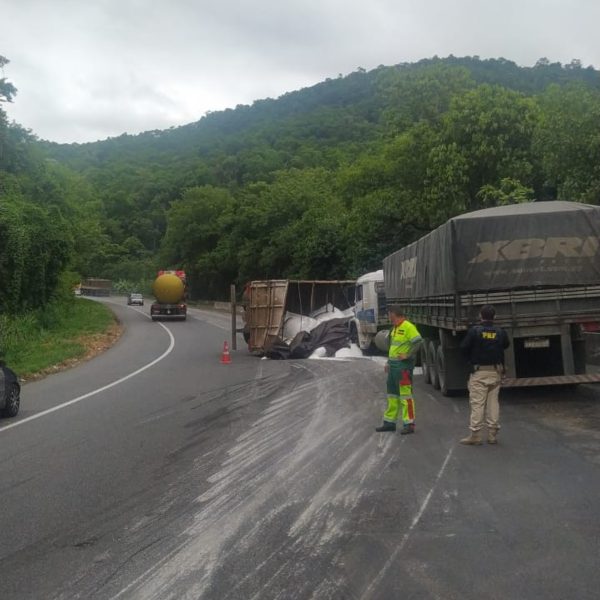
x: 265, y: 312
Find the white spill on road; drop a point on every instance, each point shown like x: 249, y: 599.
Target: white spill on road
x: 288, y: 491
x: 295, y: 467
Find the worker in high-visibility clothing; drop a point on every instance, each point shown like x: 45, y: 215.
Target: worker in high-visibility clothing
x: 405, y: 341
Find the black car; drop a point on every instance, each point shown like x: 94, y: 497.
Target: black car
x: 10, y: 392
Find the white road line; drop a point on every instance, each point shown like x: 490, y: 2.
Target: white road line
x: 212, y: 324
x: 99, y: 390
x: 414, y: 523
x: 219, y: 320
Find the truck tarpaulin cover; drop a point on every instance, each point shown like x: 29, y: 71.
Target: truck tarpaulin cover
x: 521, y: 245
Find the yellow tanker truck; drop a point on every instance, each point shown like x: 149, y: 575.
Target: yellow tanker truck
x: 170, y: 290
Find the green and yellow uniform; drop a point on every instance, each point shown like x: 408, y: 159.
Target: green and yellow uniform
x: 403, y: 339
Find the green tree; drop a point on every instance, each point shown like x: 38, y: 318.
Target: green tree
x: 567, y: 140
x: 420, y: 95
x: 493, y: 129
x: 7, y: 89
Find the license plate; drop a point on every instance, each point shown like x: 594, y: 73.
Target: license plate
x: 537, y: 343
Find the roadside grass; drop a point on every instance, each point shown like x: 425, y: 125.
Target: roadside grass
x: 39, y: 342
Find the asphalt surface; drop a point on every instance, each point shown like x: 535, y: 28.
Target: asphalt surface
x: 163, y: 474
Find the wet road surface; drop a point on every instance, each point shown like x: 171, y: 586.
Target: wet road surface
x: 265, y: 479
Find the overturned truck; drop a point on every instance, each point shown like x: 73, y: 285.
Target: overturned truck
x: 286, y: 318
x: 537, y: 263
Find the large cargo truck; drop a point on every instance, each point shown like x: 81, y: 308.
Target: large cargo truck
x: 267, y: 302
x: 537, y: 263
x: 170, y: 290
x: 370, y: 310
x: 95, y: 287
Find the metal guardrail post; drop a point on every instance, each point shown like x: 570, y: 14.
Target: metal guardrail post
x: 233, y: 318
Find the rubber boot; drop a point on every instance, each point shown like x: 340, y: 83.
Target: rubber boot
x: 408, y: 428
x: 492, y: 436
x: 472, y: 440
x: 387, y: 426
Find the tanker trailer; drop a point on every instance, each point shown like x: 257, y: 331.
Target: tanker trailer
x: 169, y: 289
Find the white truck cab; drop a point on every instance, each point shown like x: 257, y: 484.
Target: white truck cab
x: 370, y: 312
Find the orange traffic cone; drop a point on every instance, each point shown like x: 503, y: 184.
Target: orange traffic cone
x: 225, y: 357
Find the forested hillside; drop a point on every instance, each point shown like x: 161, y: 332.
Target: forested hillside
x: 320, y: 183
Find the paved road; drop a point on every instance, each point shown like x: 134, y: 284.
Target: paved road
x: 265, y: 479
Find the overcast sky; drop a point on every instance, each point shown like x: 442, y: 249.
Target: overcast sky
x: 91, y: 69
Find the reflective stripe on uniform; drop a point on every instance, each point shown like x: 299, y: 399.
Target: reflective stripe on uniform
x: 400, y: 402
x: 408, y: 411
x: 393, y: 408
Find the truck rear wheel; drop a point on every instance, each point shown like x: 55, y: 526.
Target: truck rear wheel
x: 433, y: 372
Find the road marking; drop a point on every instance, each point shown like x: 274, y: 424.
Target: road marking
x: 453, y: 404
x: 414, y: 523
x: 99, y: 390
x: 212, y: 324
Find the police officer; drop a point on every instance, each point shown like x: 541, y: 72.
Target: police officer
x: 404, y: 343
x: 484, y: 347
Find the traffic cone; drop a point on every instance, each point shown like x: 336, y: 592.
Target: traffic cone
x: 225, y: 357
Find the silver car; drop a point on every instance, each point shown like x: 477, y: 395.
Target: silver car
x: 135, y: 299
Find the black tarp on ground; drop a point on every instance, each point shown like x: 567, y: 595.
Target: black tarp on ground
x: 521, y: 245
x: 332, y: 335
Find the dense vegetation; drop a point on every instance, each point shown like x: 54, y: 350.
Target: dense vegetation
x: 39, y: 341
x: 47, y: 218
x: 50, y: 221
x: 320, y: 183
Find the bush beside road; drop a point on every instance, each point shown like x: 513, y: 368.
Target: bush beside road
x: 64, y: 333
